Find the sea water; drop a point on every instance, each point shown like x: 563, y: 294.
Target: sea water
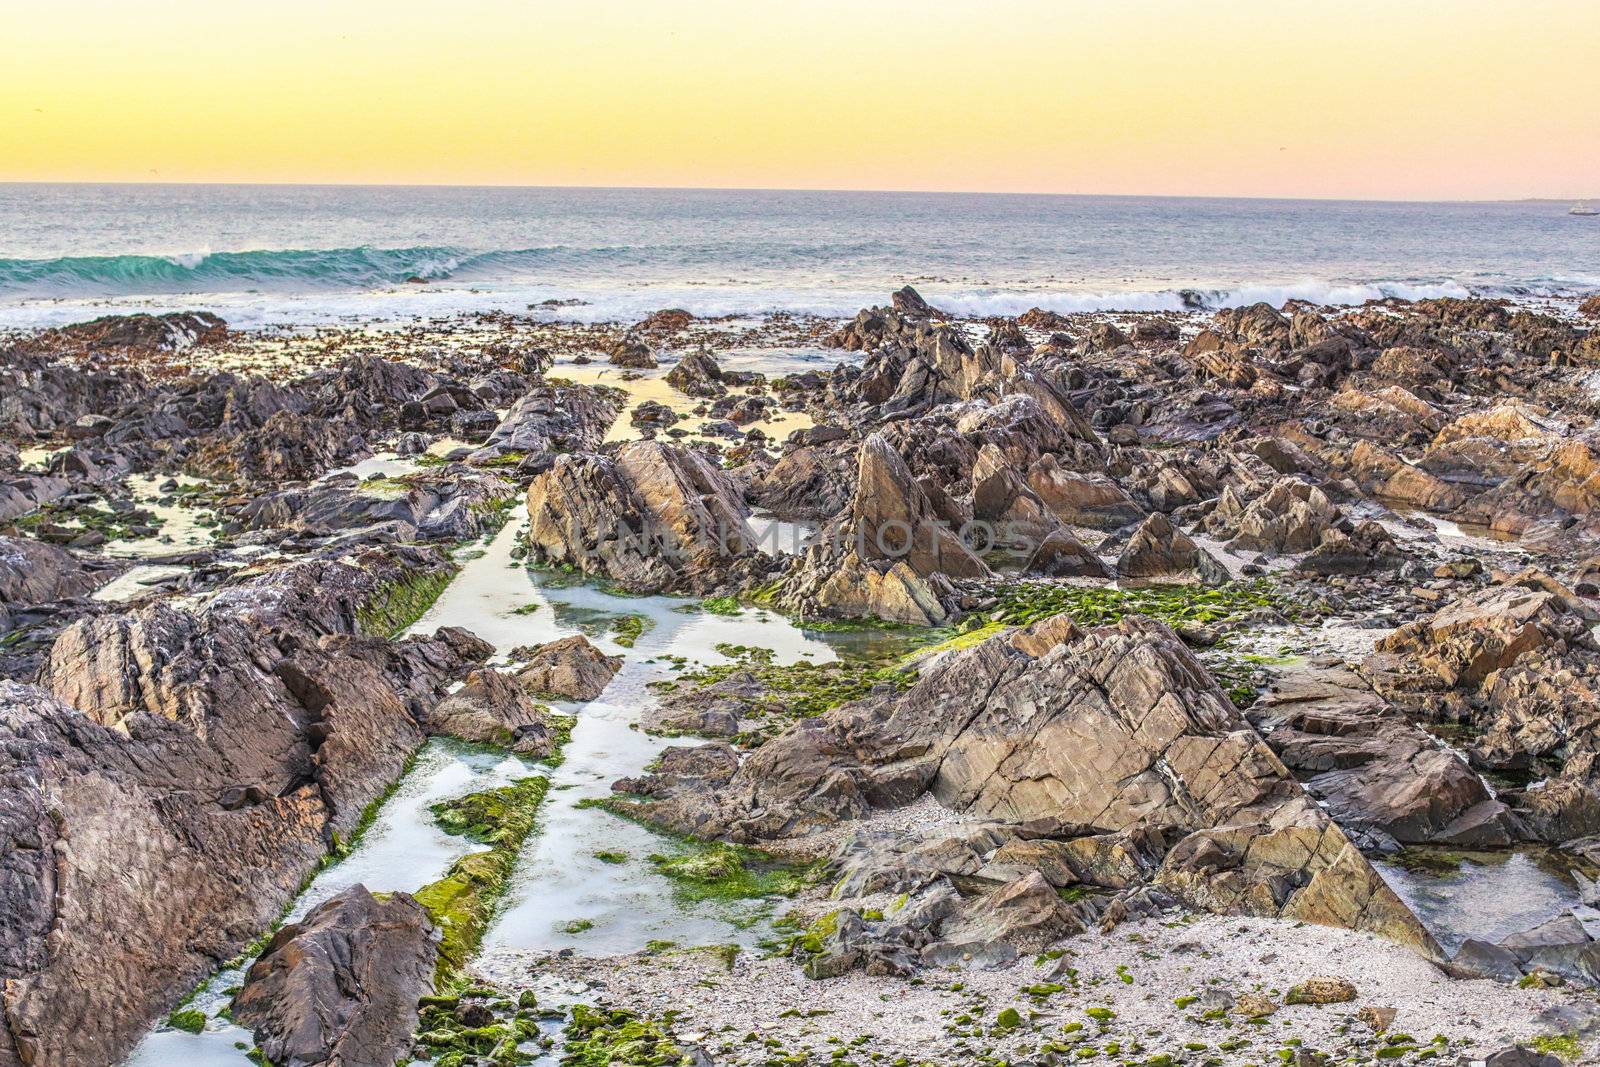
x: 300, y: 255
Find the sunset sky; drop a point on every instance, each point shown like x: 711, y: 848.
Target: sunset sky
x: 1401, y: 98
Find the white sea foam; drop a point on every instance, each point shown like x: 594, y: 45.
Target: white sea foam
x: 630, y: 303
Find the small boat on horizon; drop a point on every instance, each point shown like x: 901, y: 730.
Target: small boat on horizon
x: 1582, y: 208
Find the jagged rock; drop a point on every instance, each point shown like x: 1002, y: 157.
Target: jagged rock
x: 173, y: 331
x: 1373, y: 770
x: 632, y: 352
x: 813, y: 482
x: 1465, y: 642
x: 1061, y: 555
x: 653, y: 518
x: 1002, y: 499
x: 1292, y: 516
x: 35, y: 573
x: 697, y: 374
x: 1367, y: 548
x: 1390, y: 414
x: 208, y: 761
x: 1106, y: 337
x: 570, y: 668
x: 907, y: 301
x: 493, y: 708
x: 667, y: 320
x: 1150, y: 330
x: 433, y: 505
x: 1114, y: 730
x: 1391, y: 479
x: 553, y: 418
x: 244, y: 745
x: 887, y: 555
x: 1160, y: 552
x: 340, y: 987
x: 1026, y: 914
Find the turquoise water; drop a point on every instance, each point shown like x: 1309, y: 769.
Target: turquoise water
x: 303, y: 254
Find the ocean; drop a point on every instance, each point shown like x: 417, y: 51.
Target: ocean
x: 306, y: 255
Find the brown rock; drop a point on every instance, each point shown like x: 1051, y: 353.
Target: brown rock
x: 571, y: 668
x: 1160, y: 552
x: 340, y: 987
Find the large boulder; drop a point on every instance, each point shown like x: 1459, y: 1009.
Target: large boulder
x: 570, y: 668
x: 340, y: 987
x: 652, y: 517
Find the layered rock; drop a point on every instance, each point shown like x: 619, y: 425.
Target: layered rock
x: 888, y: 555
x: 340, y: 987
x: 178, y: 780
x: 1079, y: 499
x: 1113, y: 732
x: 34, y: 573
x: 1518, y: 661
x: 1380, y: 778
x: 652, y: 517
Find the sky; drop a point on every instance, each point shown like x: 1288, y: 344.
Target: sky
x: 1403, y: 99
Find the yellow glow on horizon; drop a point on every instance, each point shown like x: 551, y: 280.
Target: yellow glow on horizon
x: 1408, y: 98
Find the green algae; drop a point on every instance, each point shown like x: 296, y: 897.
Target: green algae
x: 398, y: 604
x: 600, y: 1037
x: 796, y: 690
x: 464, y: 901
x: 1563, y: 1047
x: 189, y: 1020
x: 703, y: 871
x: 1026, y: 602
x: 448, y: 1041
x: 627, y: 629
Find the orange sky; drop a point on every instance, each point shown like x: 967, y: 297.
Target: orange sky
x: 1405, y: 99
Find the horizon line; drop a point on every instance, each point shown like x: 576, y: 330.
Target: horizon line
x: 800, y: 189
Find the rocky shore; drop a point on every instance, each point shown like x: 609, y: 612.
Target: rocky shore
x: 1146, y: 687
